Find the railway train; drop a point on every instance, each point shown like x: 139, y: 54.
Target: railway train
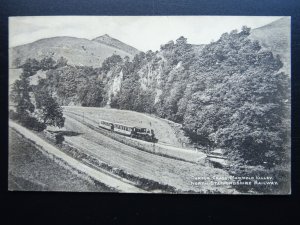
x: 134, y: 132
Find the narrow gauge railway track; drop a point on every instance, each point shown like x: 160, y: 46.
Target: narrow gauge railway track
x: 140, y: 164
x: 108, y: 128
x: 153, y: 148
x: 163, y: 131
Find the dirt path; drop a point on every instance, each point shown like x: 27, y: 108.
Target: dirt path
x: 51, y: 150
x: 167, y: 171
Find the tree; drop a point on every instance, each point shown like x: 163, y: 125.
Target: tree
x: 47, y: 63
x: 30, y: 67
x: 128, y: 95
x: 144, y: 101
x: 91, y: 94
x: 21, y: 97
x: 24, y: 107
x: 48, y: 109
x: 61, y: 62
x: 110, y: 62
x: 181, y: 41
x: 167, y: 46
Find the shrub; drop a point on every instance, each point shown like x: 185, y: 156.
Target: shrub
x: 13, y: 115
x: 59, y: 139
x: 32, y: 123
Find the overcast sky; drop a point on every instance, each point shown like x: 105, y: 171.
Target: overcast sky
x: 141, y: 32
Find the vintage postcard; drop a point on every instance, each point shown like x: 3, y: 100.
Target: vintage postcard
x: 150, y: 104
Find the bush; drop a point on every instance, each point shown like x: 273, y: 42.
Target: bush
x: 32, y: 123
x: 59, y: 139
x: 13, y: 115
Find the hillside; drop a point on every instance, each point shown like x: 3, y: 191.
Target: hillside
x: 78, y: 51
x: 107, y: 40
x: 276, y: 37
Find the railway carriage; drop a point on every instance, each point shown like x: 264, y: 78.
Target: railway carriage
x: 105, y: 124
x: 120, y: 128
x: 134, y: 132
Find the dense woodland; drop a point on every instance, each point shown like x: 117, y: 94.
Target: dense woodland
x: 229, y: 94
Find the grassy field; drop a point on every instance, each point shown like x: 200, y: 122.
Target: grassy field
x: 30, y: 170
x: 163, y: 130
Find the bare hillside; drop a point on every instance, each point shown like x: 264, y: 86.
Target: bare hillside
x: 276, y: 36
x: 78, y: 51
x: 107, y: 40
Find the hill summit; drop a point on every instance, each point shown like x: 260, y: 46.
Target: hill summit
x: 108, y: 40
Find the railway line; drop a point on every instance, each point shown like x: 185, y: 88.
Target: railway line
x: 163, y: 131
x: 166, y: 171
x: 159, y: 148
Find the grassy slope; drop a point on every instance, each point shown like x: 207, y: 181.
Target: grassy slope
x: 107, y: 40
x: 30, y: 170
x: 78, y: 51
x: 276, y: 37
x: 163, y: 131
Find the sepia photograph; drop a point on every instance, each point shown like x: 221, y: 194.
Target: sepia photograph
x: 150, y: 104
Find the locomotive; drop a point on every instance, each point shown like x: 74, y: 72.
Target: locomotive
x: 134, y: 132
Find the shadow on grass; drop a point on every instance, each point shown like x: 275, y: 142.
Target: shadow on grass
x: 66, y: 133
